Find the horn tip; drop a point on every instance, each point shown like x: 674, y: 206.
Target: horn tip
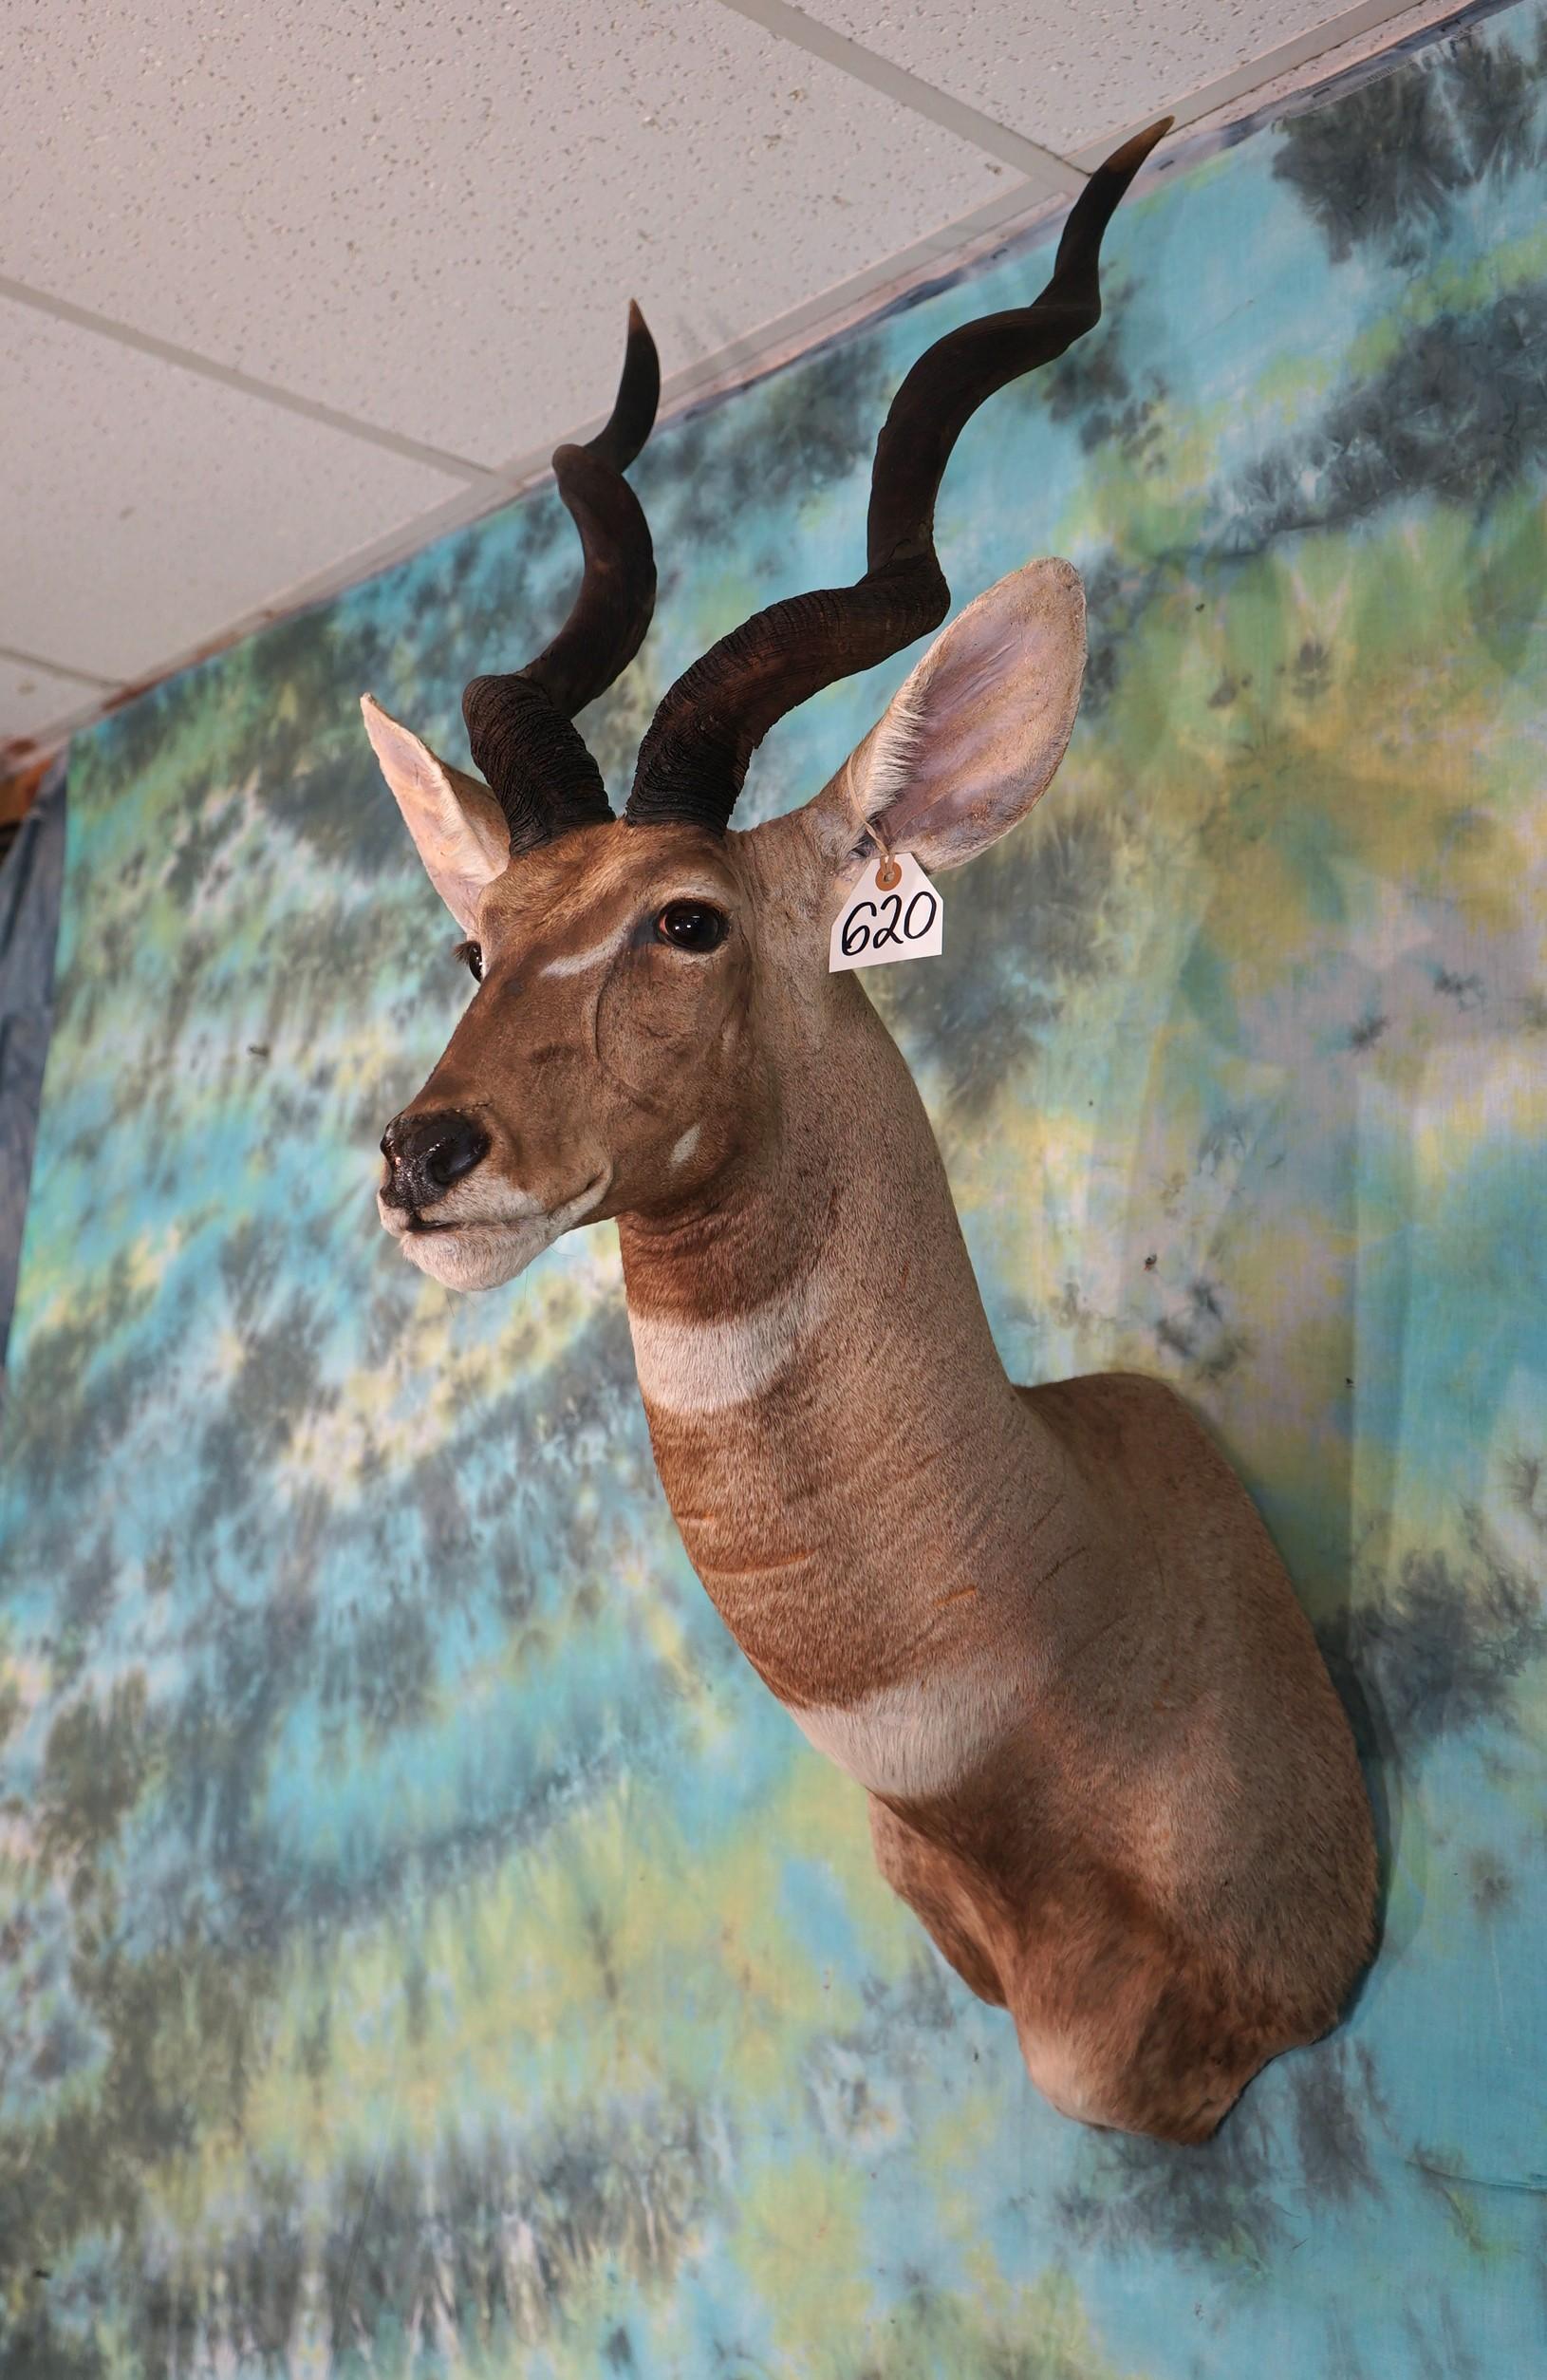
x: 1135, y: 150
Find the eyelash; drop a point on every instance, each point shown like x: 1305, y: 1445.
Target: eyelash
x: 471, y: 954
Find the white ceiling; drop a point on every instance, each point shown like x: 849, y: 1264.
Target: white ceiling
x: 286, y: 289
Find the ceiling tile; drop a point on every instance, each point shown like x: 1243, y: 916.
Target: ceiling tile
x: 433, y: 215
x: 32, y: 698
x: 1065, y: 72
x: 145, y: 507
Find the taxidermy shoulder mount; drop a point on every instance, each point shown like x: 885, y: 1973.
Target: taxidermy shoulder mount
x: 1044, y: 1628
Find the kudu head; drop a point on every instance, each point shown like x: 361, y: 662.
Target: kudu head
x: 642, y: 978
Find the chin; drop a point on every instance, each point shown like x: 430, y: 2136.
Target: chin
x: 483, y: 1251
x: 475, y: 1255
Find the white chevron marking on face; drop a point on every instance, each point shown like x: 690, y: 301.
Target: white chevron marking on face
x: 578, y: 961
x: 685, y: 1147
x: 691, y: 1368
x: 920, y: 1738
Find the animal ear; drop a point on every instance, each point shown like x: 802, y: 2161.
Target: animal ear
x: 457, y: 826
x: 976, y: 734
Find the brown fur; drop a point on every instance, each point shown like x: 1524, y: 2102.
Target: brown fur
x: 1046, y: 1627
x: 1164, y: 1982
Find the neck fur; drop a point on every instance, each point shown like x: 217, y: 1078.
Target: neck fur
x: 831, y: 1420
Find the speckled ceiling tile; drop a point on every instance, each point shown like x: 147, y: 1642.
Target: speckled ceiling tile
x: 109, y: 565
x: 1065, y: 72
x: 434, y: 217
x: 32, y: 698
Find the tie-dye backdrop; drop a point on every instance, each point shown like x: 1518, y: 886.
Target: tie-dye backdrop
x: 426, y: 1947
x: 30, y: 895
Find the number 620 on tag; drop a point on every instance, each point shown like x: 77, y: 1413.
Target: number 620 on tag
x: 883, y: 921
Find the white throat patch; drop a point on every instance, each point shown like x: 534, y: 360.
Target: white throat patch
x: 920, y: 1738
x: 692, y: 1368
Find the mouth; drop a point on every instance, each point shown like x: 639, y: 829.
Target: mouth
x: 479, y: 1252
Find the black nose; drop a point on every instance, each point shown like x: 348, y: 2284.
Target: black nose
x: 425, y: 1154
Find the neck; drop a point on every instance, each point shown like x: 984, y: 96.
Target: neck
x: 831, y: 1420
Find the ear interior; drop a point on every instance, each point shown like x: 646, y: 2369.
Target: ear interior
x: 459, y: 828
x: 977, y: 731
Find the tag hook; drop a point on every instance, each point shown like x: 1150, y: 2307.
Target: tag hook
x: 888, y: 874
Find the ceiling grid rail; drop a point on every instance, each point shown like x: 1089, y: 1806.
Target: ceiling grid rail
x: 1045, y: 178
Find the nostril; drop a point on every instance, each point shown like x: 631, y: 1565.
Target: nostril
x: 456, y: 1153
x: 426, y: 1153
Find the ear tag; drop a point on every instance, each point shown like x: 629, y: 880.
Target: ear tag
x: 893, y: 913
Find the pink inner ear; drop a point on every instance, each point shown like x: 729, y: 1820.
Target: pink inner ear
x: 981, y: 728
x: 458, y: 827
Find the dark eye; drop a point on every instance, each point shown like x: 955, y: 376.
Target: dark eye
x: 692, y: 926
x: 472, y: 953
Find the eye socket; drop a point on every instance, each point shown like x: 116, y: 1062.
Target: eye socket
x: 472, y: 953
x: 692, y: 926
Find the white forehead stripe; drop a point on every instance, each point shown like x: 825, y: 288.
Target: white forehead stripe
x: 920, y: 1738
x: 578, y: 961
x: 685, y: 1147
x: 705, y: 1367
